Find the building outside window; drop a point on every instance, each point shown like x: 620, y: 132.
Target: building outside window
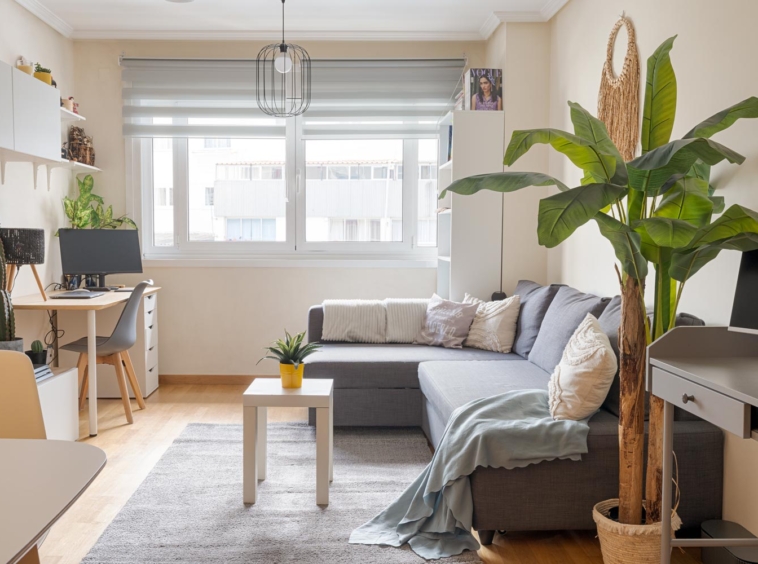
x: 209, y: 195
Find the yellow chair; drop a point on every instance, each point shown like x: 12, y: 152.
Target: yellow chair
x: 20, y: 411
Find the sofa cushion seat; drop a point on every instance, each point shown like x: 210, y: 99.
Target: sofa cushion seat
x: 449, y: 385
x: 357, y: 365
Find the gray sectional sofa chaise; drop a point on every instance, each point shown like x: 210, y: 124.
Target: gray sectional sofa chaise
x: 417, y: 385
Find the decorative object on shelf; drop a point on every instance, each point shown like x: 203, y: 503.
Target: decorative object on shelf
x: 88, y: 211
x: 484, y: 89
x: 43, y: 74
x: 291, y: 353
x: 24, y: 246
x: 38, y: 354
x: 657, y: 208
x: 25, y: 66
x: 8, y: 340
x: 80, y: 147
x: 283, y: 78
x: 618, y: 104
x: 68, y: 104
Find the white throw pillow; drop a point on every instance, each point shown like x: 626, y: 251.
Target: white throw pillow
x: 405, y: 318
x: 581, y: 380
x: 494, y: 327
x: 446, y: 323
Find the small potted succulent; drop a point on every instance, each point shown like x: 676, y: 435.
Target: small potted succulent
x: 43, y: 74
x: 38, y: 354
x: 8, y: 340
x: 291, y: 353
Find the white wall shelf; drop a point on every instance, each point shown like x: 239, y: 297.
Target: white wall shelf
x: 78, y: 168
x: 68, y: 116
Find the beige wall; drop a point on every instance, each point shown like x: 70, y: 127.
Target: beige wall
x: 21, y: 205
x: 710, y: 57
x: 216, y: 320
x: 522, y: 50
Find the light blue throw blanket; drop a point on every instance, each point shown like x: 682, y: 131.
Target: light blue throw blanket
x: 435, y: 513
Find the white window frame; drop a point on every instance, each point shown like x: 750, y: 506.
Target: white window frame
x: 140, y: 196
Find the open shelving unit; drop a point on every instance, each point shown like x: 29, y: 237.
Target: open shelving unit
x: 469, y: 227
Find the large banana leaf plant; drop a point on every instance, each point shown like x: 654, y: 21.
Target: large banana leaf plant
x: 657, y: 209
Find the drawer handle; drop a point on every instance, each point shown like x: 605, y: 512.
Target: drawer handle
x: 687, y: 399
x: 151, y: 311
x: 150, y: 327
x: 151, y: 348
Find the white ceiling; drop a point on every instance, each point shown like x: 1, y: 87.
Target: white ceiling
x: 305, y: 19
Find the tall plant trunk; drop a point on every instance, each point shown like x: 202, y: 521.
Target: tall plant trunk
x: 665, y: 313
x: 632, y: 342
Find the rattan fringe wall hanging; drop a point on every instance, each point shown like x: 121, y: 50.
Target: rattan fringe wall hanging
x: 618, y: 104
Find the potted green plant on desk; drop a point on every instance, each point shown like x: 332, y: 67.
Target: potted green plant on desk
x: 291, y: 353
x: 8, y: 340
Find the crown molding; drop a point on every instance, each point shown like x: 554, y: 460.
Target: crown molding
x: 550, y: 8
x: 47, y: 16
x: 489, y: 26
x: 273, y: 35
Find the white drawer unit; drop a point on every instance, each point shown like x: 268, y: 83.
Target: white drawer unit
x: 728, y: 413
x: 60, y: 408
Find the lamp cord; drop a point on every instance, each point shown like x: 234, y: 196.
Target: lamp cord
x: 282, y: 21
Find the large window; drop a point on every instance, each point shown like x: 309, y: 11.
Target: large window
x: 234, y: 194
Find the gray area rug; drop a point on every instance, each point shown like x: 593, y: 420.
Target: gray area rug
x: 189, y: 508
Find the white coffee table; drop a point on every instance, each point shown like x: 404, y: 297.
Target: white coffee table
x: 268, y: 392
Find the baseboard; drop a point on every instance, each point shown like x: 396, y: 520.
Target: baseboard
x: 210, y: 379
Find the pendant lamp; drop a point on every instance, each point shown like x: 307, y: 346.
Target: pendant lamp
x: 283, y: 78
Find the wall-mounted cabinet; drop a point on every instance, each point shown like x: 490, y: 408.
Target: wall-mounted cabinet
x: 32, y: 124
x: 6, y: 107
x: 36, y: 117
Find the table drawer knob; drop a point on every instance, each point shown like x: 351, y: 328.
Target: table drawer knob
x: 687, y: 399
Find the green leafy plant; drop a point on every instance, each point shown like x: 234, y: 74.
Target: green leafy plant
x: 7, y: 317
x: 38, y: 347
x: 40, y: 68
x: 89, y: 211
x: 657, y: 208
x: 290, y: 350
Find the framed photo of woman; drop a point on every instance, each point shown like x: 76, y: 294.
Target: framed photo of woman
x: 484, y: 89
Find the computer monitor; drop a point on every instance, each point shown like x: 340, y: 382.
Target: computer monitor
x: 745, y: 308
x: 100, y: 252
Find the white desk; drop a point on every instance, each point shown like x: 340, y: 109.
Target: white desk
x: 39, y: 481
x: 91, y: 306
x: 268, y: 392
x: 709, y: 372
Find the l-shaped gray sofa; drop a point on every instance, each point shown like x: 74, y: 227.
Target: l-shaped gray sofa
x: 417, y: 385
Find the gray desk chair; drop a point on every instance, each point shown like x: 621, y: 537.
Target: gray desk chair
x: 114, y: 350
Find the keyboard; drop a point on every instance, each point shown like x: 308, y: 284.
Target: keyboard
x: 76, y: 295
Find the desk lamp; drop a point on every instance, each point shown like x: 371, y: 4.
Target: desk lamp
x: 24, y: 246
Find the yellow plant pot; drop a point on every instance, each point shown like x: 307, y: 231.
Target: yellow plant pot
x: 45, y: 77
x: 291, y: 377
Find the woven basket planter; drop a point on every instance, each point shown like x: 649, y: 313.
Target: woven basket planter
x: 628, y: 544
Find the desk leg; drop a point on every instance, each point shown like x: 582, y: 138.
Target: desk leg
x: 322, y: 456
x: 54, y: 327
x: 92, y: 370
x: 262, y: 442
x: 249, y: 454
x: 668, y: 455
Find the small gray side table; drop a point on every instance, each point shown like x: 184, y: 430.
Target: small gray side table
x: 268, y: 392
x: 710, y: 372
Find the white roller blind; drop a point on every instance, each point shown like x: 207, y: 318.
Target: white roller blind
x: 381, y: 97
x: 216, y: 98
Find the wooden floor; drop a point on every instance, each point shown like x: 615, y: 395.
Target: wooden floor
x: 134, y: 449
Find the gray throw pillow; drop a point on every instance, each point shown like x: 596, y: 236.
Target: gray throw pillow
x: 535, y: 300
x: 567, y: 310
x: 446, y: 324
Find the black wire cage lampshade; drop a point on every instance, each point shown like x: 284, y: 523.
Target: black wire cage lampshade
x: 23, y: 246
x: 283, y: 78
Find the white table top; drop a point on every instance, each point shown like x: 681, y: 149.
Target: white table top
x: 108, y: 299
x: 39, y: 481
x: 268, y: 392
